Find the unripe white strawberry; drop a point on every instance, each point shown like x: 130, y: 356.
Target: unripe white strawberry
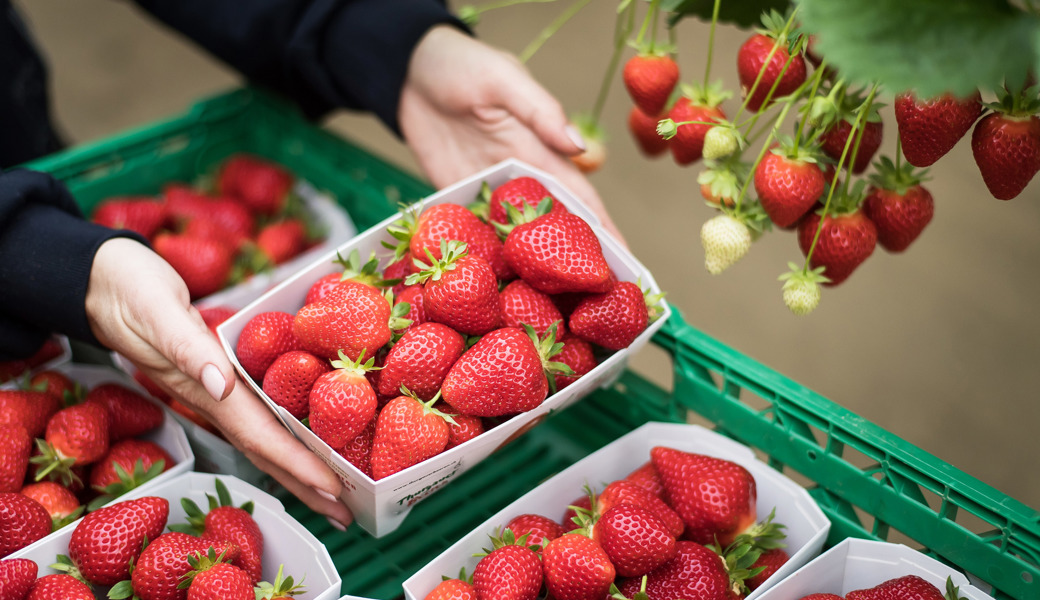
x: 720, y: 141
x: 726, y: 240
x: 802, y: 288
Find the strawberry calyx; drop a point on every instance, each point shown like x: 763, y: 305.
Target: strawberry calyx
x: 952, y: 592
x: 196, y: 518
x: 357, y: 367
x: 54, y: 465
x: 724, y: 180
x: 59, y: 521
x: 461, y: 577
x: 403, y: 229
x: 585, y: 518
x: 708, y: 96
x: 752, y: 215
x: 846, y: 202
x: 647, y: 49
x: 63, y: 564
x: 451, y: 252
x: 367, y: 273
x: 516, y: 217
x: 852, y: 103
x: 427, y: 405
x: 127, y: 481
x: 825, y: 110
x: 653, y: 301
x: 640, y: 595
x: 505, y: 538
x: 282, y: 587
x: 738, y: 561
x: 481, y: 205
x: 802, y: 153
x: 398, y: 323
x: 1016, y: 107
x: 765, y: 535
x: 199, y: 562
x: 547, y: 347
x: 774, y: 25
x: 896, y: 179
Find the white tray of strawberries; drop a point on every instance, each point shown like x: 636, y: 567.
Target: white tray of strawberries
x: 464, y: 300
x: 662, y: 494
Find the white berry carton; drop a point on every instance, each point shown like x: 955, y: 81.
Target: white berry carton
x: 379, y: 507
x: 286, y: 541
x: 806, y: 525
x: 855, y: 564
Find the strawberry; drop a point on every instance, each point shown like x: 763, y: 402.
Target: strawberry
x: 59, y: 587
x: 445, y: 222
x: 261, y: 185
x: 625, y: 492
x: 62, y: 504
x: 76, y: 436
x: 725, y: 240
x: 770, y: 561
x: 464, y: 429
x: 289, y: 379
x: 320, y: 288
x: 898, y: 205
x: 575, y: 567
x: 413, y: 295
x: 595, y: 154
x: 504, y: 373
x: 928, y: 129
x: 538, y: 529
x: 523, y: 304
x: 650, y: 79
x: 833, y: 141
x: 453, y: 589
x: 801, y: 290
x: 108, y: 540
x: 284, y: 588
x: 127, y: 465
x: 353, y: 269
x: 788, y: 184
x: 22, y: 522
x: 408, y: 431
x: 29, y: 409
x: 281, y: 241
x: 142, y: 215
x: 636, y: 541
x: 214, y: 316
x: 264, y: 338
x: 783, y: 71
x: 721, y: 183
x: 556, y: 253
x: 204, y: 264
x: 54, y: 383
x: 219, y: 219
x: 358, y: 451
x: 613, y: 319
x: 694, y: 572
x: 847, y: 239
x: 129, y: 413
x: 509, y: 571
x: 518, y: 192
x: 1006, y: 147
x: 352, y: 319
x: 183, y: 204
x: 584, y: 503
x: 420, y: 360
x: 15, y: 448
x: 16, y: 577
x: 908, y: 587
x: 687, y: 140
x: 643, y: 128
x: 647, y: 478
x: 218, y: 581
x: 460, y: 290
x: 163, y: 564
x: 342, y: 401
x: 576, y: 354
x: 714, y: 497
x: 225, y: 522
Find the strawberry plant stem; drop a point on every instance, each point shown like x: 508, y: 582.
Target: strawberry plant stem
x: 711, y: 42
x: 551, y: 29
x: 861, y: 126
x: 762, y: 153
x: 653, y: 28
x: 626, y: 21
x: 769, y: 95
x: 817, y: 80
x: 765, y: 64
x: 899, y: 154
x: 650, y: 13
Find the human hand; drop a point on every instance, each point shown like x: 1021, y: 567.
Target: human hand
x: 138, y: 306
x: 466, y: 106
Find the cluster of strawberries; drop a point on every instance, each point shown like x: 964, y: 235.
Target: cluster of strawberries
x: 217, y: 554
x: 681, y: 526
x: 85, y: 451
x: 908, y: 586
x: 462, y: 327
x: 253, y: 223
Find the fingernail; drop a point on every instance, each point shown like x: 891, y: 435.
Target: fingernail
x: 336, y: 524
x: 326, y: 495
x: 213, y: 381
x: 575, y: 137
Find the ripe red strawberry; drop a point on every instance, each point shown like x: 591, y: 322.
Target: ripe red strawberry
x: 647, y: 478
x: 15, y: 448
x: 219, y: 581
x: 643, y: 128
x: 143, y: 215
x: 320, y: 288
x: 408, y: 431
x: 280, y: 242
x: 413, y: 295
x: 164, y: 563
x: 59, y: 587
x: 54, y: 383
x: 502, y: 374
x: 453, y: 589
x: 446, y: 222
x: 846, y: 241
x: 751, y: 59
x: 636, y: 541
x: 715, y: 497
x: 522, y: 303
x: 625, y: 492
x: 264, y: 338
x: 420, y: 360
x: 556, y: 253
x: 517, y: 193
x: 183, y: 203
x: 29, y: 409
x: 22, y: 522
x: 538, y: 529
x: 62, y: 504
x: 139, y: 460
x: 358, y: 451
x: 106, y: 541
x: 1007, y: 151
x: 352, y: 318
x: 261, y: 185
x: 688, y: 143
x: 788, y: 186
x: 465, y: 427
x: 613, y: 319
x: 508, y: 572
x: 204, y: 264
x: 650, y: 79
x: 219, y: 219
x: 909, y: 587
x: 289, y: 380
x: 76, y: 436
x: 576, y: 354
x: 833, y: 141
x: 225, y: 522
x: 215, y: 315
x: 928, y: 129
x: 129, y: 413
x: 342, y: 402
x: 694, y: 572
x: 460, y: 291
x: 575, y: 567
x: 16, y: 577
x: 898, y: 205
x: 771, y: 560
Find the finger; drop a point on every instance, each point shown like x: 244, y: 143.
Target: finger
x: 316, y: 501
x: 536, y: 108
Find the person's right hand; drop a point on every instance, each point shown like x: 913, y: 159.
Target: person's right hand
x: 138, y: 306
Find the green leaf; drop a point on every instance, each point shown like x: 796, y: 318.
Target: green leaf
x: 930, y: 46
x: 746, y: 13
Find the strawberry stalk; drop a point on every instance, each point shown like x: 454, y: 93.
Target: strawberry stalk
x: 651, y: 15
x: 816, y: 81
x: 626, y: 20
x: 762, y: 153
x: 711, y: 42
x: 551, y: 29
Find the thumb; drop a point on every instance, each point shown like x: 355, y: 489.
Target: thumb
x: 536, y: 108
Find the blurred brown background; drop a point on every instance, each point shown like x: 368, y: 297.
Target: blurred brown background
x: 938, y: 345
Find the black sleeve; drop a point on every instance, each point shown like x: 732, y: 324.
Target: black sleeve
x: 46, y: 252
x: 324, y: 54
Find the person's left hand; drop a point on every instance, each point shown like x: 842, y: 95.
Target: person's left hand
x: 466, y: 106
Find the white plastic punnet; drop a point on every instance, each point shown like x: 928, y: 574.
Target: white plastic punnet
x: 380, y: 506
x: 806, y: 525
